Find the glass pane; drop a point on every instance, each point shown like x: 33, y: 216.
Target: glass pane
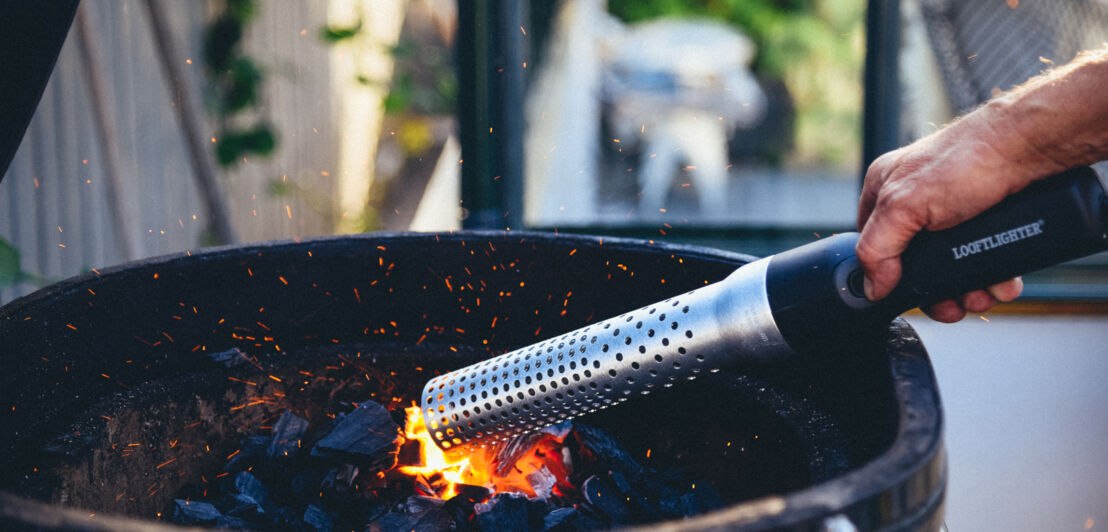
x: 730, y: 113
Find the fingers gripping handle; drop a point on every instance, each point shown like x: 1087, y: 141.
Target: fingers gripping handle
x: 1058, y: 219
x: 815, y: 291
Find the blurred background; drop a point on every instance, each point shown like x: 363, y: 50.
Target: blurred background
x: 738, y: 124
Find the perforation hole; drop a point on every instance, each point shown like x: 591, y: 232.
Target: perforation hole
x: 619, y: 357
x: 688, y: 334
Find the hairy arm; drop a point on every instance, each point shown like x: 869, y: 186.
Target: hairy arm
x: 1055, y: 121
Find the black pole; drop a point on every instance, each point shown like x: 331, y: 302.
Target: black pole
x: 490, y: 111
x: 881, y: 113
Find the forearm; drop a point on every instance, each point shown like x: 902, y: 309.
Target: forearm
x: 1056, y: 120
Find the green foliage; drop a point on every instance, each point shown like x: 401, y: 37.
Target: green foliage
x: 234, y: 144
x: 333, y: 34
x: 236, y: 81
x: 424, y: 81
x: 11, y: 272
x: 242, y: 87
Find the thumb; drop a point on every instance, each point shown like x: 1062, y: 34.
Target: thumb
x: 883, y: 239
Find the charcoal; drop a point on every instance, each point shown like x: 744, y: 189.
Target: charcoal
x: 252, y: 448
x: 509, y: 511
x: 409, y: 453
x: 430, y: 520
x: 608, y: 454
x: 707, y: 498
x: 345, y: 476
x: 285, y: 519
x: 230, y: 358
x: 287, y: 433
x: 542, y: 482
x: 567, y: 519
x: 242, y: 506
x: 605, y: 498
x: 194, y: 512
x: 308, y: 482
x: 318, y: 519
x: 227, y: 522
x: 644, y: 507
x: 418, y: 504
x: 471, y: 493
x: 366, y: 435
x: 461, y: 506
x: 512, y: 450
x: 249, y: 485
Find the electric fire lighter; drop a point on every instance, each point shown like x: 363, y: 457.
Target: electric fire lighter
x: 803, y: 301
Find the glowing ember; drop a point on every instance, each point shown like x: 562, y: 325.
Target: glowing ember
x: 540, y: 468
x: 436, y: 464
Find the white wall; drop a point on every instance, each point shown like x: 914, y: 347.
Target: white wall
x: 1026, y: 406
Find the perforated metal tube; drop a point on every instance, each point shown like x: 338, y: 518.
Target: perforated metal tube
x: 606, y: 363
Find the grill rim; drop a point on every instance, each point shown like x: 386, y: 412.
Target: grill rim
x: 912, y: 469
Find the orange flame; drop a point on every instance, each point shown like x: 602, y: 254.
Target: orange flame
x: 438, y: 468
x: 453, y: 470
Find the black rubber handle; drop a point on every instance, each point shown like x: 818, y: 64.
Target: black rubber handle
x: 815, y: 291
x: 1058, y: 219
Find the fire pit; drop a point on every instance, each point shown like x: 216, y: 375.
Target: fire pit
x: 125, y: 389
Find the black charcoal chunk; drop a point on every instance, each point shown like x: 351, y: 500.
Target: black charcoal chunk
x: 230, y: 358
x: 227, y: 522
x: 366, y: 435
x: 419, y: 504
x: 430, y: 520
x: 285, y: 519
x: 644, y: 508
x: 242, y: 506
x: 607, y: 452
x: 249, y: 485
x: 194, y: 512
x: 567, y: 519
x: 252, y: 448
x: 287, y: 433
x: 461, y: 506
x: 509, y: 511
x: 607, y: 500
x: 318, y: 519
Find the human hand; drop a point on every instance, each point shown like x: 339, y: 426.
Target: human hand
x: 933, y: 184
